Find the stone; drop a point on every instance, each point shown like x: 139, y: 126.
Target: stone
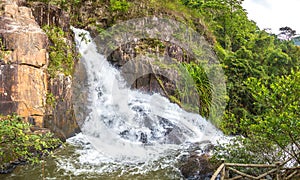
x: 23, y: 78
x: 197, y: 167
x: 60, y: 118
x: 23, y: 91
x: 46, y: 14
x: 80, y: 92
x: 22, y: 37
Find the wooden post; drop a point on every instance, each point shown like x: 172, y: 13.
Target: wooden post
x: 217, y: 172
x: 226, y: 173
x: 223, y: 173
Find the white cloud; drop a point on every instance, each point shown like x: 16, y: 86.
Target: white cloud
x: 262, y: 2
x: 274, y: 13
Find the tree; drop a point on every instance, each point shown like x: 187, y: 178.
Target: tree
x: 279, y: 121
x: 286, y: 33
x: 274, y: 133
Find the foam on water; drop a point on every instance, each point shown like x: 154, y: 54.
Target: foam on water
x: 126, y: 126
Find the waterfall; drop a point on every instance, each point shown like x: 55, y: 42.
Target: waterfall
x: 128, y: 126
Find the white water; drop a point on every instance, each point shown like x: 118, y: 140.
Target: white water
x: 126, y: 126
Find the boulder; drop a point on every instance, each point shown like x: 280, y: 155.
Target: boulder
x: 197, y: 167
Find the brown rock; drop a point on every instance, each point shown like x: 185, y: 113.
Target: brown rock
x: 46, y: 14
x: 22, y: 37
x: 197, y: 167
x: 23, y: 81
x: 23, y: 91
x: 80, y: 93
x: 60, y: 117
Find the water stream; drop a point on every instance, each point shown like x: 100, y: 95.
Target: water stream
x: 127, y: 134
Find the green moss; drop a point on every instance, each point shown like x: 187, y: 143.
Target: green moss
x: 50, y: 100
x: 119, y: 5
x: 146, y: 46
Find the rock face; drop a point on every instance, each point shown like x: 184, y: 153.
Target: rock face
x: 24, y: 83
x: 197, y: 167
x: 60, y: 114
x: 46, y: 14
x: 80, y: 91
x: 151, y: 68
x: 23, y: 55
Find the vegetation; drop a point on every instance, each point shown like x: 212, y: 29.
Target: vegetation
x: 50, y: 100
x: 203, y: 87
x: 3, y: 52
x: 262, y: 71
x: 274, y: 133
x: 262, y: 84
x: 19, y: 143
x: 119, y: 5
x: 61, y: 54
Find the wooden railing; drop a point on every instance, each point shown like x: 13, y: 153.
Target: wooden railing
x: 228, y: 171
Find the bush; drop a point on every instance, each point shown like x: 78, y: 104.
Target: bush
x: 119, y: 5
x: 62, y: 56
x: 19, y: 143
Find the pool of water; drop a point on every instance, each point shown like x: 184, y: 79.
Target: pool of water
x: 78, y: 159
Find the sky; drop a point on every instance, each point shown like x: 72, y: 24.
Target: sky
x: 274, y: 13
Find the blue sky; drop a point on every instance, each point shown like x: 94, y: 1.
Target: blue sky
x: 274, y: 13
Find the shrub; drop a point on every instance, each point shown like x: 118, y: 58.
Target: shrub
x: 19, y: 143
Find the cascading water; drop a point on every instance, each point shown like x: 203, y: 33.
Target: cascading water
x: 127, y: 127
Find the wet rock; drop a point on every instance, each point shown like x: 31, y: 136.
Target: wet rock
x: 195, y: 163
x: 7, y: 168
x: 144, y: 73
x: 80, y: 92
x: 124, y: 134
x: 197, y: 167
x: 39, y: 130
x: 143, y: 138
x: 173, y: 134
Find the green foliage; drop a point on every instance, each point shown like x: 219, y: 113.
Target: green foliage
x: 227, y: 19
x: 263, y: 57
x: 19, y: 143
x: 2, y: 50
x: 262, y: 84
x: 244, y: 52
x: 279, y: 120
x: 119, y: 5
x: 61, y: 54
x: 50, y: 100
x: 202, y: 85
x: 64, y: 4
x: 274, y: 133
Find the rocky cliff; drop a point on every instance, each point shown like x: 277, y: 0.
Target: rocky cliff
x: 25, y: 84
x: 26, y: 87
x: 23, y: 78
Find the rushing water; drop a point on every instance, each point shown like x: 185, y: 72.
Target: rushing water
x: 127, y: 134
